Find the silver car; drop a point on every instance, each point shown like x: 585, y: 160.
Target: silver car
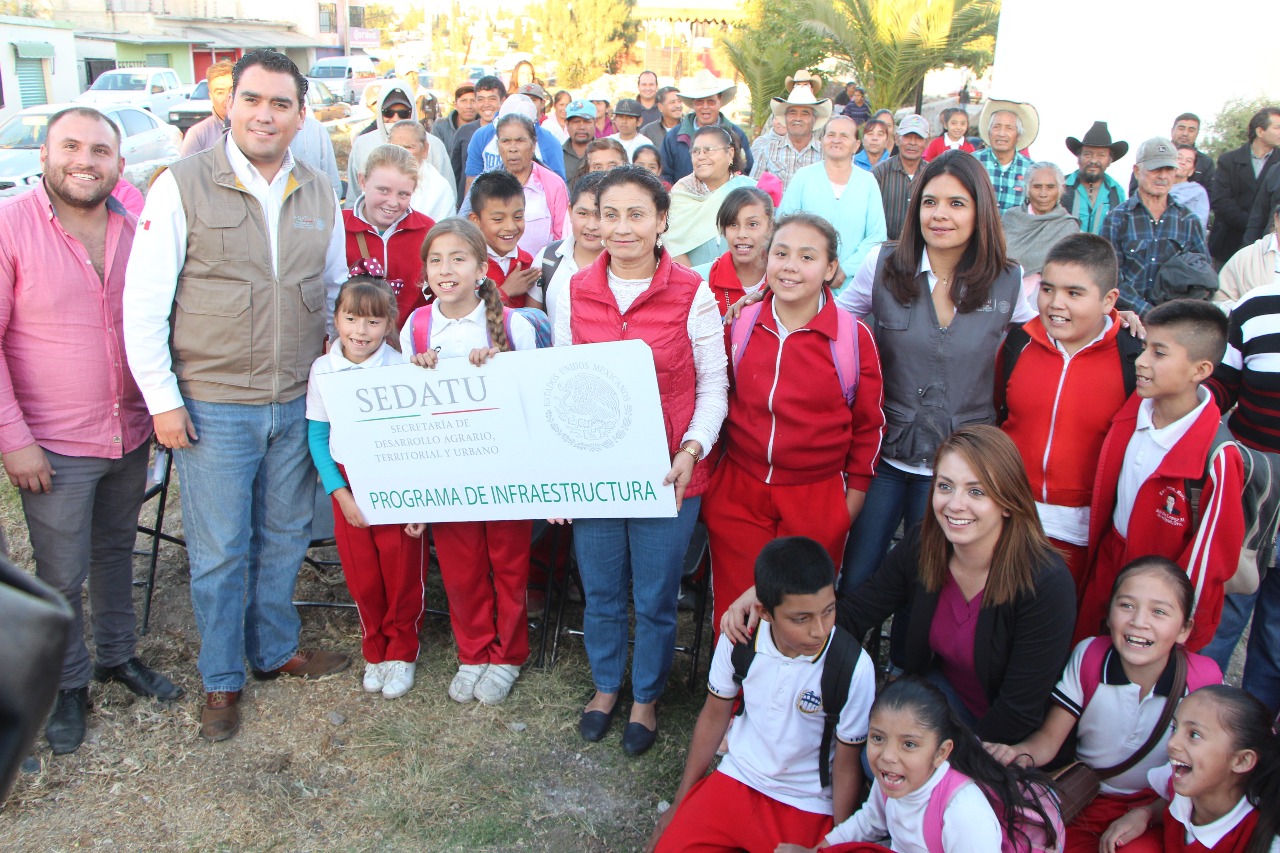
x: 143, y: 137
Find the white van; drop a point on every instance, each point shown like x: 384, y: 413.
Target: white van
x: 346, y: 76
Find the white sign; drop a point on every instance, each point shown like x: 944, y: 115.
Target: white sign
x: 572, y: 432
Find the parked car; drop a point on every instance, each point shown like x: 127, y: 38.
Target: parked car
x: 143, y: 137
x: 346, y: 76
x: 155, y: 89
x: 324, y: 104
x: 185, y: 114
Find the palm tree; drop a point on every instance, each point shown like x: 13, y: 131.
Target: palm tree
x: 892, y: 44
x: 763, y: 68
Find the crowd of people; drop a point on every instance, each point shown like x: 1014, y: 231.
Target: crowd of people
x: 981, y: 397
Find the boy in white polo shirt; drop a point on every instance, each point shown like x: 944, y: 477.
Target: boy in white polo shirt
x: 768, y: 787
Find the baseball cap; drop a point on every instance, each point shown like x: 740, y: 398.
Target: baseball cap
x: 533, y: 90
x: 628, y: 107
x: 580, y: 109
x: 914, y: 124
x: 520, y: 105
x: 1157, y: 153
x: 598, y: 96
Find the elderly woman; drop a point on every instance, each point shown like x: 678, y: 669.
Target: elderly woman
x: 634, y: 290
x: 695, y: 199
x: 1031, y: 229
x: 546, y: 199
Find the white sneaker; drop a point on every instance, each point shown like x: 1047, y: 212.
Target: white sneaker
x: 399, y: 678
x: 375, y: 675
x: 463, y: 687
x: 495, y: 684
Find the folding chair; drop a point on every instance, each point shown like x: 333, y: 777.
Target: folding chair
x: 157, y: 488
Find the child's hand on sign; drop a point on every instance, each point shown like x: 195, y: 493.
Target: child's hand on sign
x: 416, y: 529
x: 426, y: 359
x: 480, y: 355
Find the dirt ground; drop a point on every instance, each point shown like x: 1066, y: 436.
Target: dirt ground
x: 323, y: 766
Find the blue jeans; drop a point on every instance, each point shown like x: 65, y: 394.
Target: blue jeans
x: 643, y: 556
x: 248, y: 490
x: 894, y: 496
x: 1262, y: 656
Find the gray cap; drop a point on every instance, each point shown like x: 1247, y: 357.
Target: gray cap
x: 1157, y: 153
x: 914, y: 124
x: 628, y: 107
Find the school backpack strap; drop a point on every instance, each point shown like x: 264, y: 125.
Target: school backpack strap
x: 538, y: 319
x: 1201, y: 672
x: 740, y: 333
x: 837, y: 672
x: 846, y: 354
x: 741, y: 657
x: 550, y: 263
x: 363, y: 244
x: 1014, y: 343
x: 1095, y: 656
x: 420, y: 328
x: 950, y: 784
x: 1129, y: 347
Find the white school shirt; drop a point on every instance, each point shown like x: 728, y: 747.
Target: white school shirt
x: 969, y: 824
x: 160, y: 251
x: 457, y: 338
x: 549, y: 292
x: 1144, y: 453
x: 630, y: 145
x: 1116, y: 722
x: 1180, y: 807
x: 855, y: 297
x: 773, y: 746
x: 335, y: 362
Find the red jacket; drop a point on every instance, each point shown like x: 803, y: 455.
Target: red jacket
x: 1209, y: 553
x: 400, y: 255
x: 523, y: 261
x: 788, y: 423
x: 937, y: 146
x: 722, y: 278
x: 1060, y: 411
x: 660, y: 318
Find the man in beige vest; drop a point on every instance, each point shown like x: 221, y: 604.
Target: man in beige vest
x: 237, y: 261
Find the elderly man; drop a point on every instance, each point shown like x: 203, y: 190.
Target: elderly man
x: 671, y: 110
x: 580, y: 118
x: 464, y: 111
x: 205, y: 132
x: 1090, y: 193
x: 1240, y: 173
x: 395, y: 103
x: 1256, y: 264
x: 647, y: 88
x: 1007, y: 127
x: 1150, y: 228
x: 705, y: 97
x: 896, y: 175
x: 1185, y: 131
x: 73, y: 425
x: 235, y: 269
x: 800, y: 110
x: 434, y: 194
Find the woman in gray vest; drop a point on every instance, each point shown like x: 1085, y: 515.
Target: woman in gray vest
x: 942, y: 298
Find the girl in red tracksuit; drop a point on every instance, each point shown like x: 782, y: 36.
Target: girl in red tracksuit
x: 745, y: 221
x: 383, y: 233
x: 484, y: 564
x: 798, y: 456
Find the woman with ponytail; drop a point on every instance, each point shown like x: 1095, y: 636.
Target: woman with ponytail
x: 484, y: 564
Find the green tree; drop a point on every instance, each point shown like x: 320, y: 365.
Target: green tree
x: 769, y: 48
x: 586, y: 34
x: 1230, y: 128
x: 892, y: 44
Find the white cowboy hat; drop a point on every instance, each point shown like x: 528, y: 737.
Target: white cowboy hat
x: 1025, y: 112
x: 803, y: 76
x: 704, y: 85
x: 802, y: 96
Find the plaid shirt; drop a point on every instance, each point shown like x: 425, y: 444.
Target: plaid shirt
x: 776, y: 154
x: 1009, y: 181
x: 1143, y: 244
x: 895, y: 192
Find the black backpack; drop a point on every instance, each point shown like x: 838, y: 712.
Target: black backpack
x: 550, y: 263
x: 838, y: 663
x: 1128, y: 348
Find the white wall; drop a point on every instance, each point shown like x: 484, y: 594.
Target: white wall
x: 61, y: 71
x: 1109, y: 60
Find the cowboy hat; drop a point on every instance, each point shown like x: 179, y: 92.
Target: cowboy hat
x: 1025, y: 112
x: 1098, y: 137
x: 803, y: 76
x: 801, y: 95
x: 704, y: 85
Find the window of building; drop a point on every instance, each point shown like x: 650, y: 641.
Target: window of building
x: 159, y: 60
x: 355, y: 16
x: 328, y: 17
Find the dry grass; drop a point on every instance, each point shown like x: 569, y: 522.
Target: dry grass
x: 322, y: 766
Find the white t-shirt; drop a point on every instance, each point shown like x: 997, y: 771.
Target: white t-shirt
x: 334, y: 362
x: 969, y: 824
x: 1146, y: 450
x: 773, y: 746
x: 633, y: 143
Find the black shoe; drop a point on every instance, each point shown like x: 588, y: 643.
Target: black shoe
x: 637, y: 738
x: 65, y: 729
x: 594, y: 725
x: 141, y: 679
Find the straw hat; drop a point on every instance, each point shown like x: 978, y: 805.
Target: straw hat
x: 1025, y: 112
x: 801, y: 94
x: 704, y: 85
x: 803, y: 76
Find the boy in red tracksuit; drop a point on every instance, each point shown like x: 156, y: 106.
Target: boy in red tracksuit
x: 497, y: 209
x: 1158, y: 444
x: 1061, y: 381
x: 798, y: 456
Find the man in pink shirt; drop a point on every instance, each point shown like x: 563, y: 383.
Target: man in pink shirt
x: 73, y: 425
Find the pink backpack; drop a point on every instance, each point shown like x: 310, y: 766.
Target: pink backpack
x: 420, y: 326
x: 844, y: 349
x: 1201, y: 671
x: 1031, y: 839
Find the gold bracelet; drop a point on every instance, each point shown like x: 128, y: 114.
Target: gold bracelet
x: 697, y: 457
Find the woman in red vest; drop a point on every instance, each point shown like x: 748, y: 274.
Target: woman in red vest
x: 634, y: 291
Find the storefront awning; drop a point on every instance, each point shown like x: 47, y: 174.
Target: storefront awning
x: 33, y: 50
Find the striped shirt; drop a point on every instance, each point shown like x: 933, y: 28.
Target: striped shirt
x: 1249, y: 373
x: 895, y: 192
x: 1143, y: 245
x: 1010, y: 182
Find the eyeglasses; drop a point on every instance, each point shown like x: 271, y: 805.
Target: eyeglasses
x: 702, y: 150
x: 396, y: 113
